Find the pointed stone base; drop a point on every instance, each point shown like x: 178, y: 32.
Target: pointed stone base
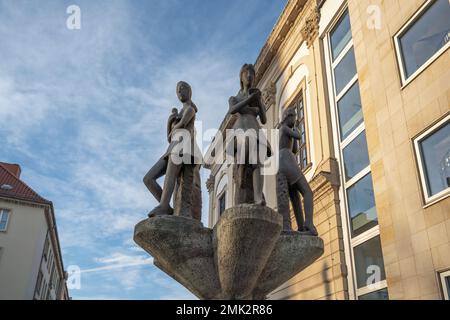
x: 292, y: 253
x: 245, y: 256
x: 243, y: 239
x: 183, y: 249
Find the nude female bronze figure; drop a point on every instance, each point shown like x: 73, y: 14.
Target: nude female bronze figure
x: 248, y: 107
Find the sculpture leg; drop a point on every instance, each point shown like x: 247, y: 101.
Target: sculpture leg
x: 297, y: 207
x: 258, y: 186
x: 156, y: 172
x: 304, y: 188
x: 173, y: 170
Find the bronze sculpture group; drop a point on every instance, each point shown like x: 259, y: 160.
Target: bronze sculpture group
x: 182, y: 179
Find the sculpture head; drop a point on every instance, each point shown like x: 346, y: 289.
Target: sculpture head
x: 289, y: 117
x: 184, y: 91
x: 247, y: 76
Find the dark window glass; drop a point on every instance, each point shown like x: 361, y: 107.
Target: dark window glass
x: 447, y: 281
x: 361, y: 206
x: 340, y: 35
x: 39, y: 282
x: 222, y: 203
x: 368, y: 256
x: 356, y: 157
x: 345, y: 71
x: 302, y: 155
x: 426, y: 36
x: 4, y: 215
x: 377, y: 295
x: 435, y: 150
x: 350, y: 112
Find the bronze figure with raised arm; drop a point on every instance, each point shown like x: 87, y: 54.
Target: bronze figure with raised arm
x: 296, y: 181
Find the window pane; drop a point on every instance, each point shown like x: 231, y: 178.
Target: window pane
x: 426, y: 36
x: 345, y: 71
x: 361, y: 206
x: 341, y: 35
x: 447, y: 281
x: 377, y: 295
x: 222, y: 204
x: 3, y: 219
x: 435, y: 150
x: 350, y: 112
x: 356, y: 157
x: 369, y: 262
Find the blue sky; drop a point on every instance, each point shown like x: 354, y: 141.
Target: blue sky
x: 84, y: 111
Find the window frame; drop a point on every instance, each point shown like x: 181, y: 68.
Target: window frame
x: 426, y: 198
x: 334, y: 97
x: 292, y: 103
x: 8, y: 211
x: 398, y: 52
x: 39, y: 282
x: 222, y: 195
x: 442, y: 279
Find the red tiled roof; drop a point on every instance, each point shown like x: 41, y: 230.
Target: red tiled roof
x: 13, y: 187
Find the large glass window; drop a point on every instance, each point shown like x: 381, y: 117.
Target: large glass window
x: 355, y: 156
x: 345, y: 71
x: 349, y: 110
x: 376, y: 295
x: 340, y: 36
x: 4, y: 217
x: 361, y: 206
x: 445, y: 284
x: 369, y: 263
x: 424, y: 36
x: 433, y: 151
x: 360, y: 210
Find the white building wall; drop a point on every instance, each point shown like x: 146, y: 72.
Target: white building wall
x: 22, y: 245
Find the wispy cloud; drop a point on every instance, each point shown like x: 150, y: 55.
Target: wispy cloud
x: 84, y: 112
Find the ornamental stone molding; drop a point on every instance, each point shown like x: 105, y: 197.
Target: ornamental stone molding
x: 269, y: 95
x: 310, y: 30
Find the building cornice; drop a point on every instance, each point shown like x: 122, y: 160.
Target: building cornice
x: 278, y: 35
x: 303, y: 18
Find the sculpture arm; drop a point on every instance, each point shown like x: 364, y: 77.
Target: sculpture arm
x: 235, y: 106
x: 172, y: 118
x: 293, y: 133
x: 262, y: 112
x: 188, y: 114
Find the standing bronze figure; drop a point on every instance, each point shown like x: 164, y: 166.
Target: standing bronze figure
x: 247, y: 107
x: 166, y: 165
x: 292, y: 174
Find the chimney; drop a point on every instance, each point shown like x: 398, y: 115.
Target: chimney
x: 13, y: 168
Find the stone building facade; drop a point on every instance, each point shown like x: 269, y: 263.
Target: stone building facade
x: 370, y: 81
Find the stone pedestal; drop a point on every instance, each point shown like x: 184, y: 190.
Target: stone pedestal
x: 245, y: 256
x: 243, y: 239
